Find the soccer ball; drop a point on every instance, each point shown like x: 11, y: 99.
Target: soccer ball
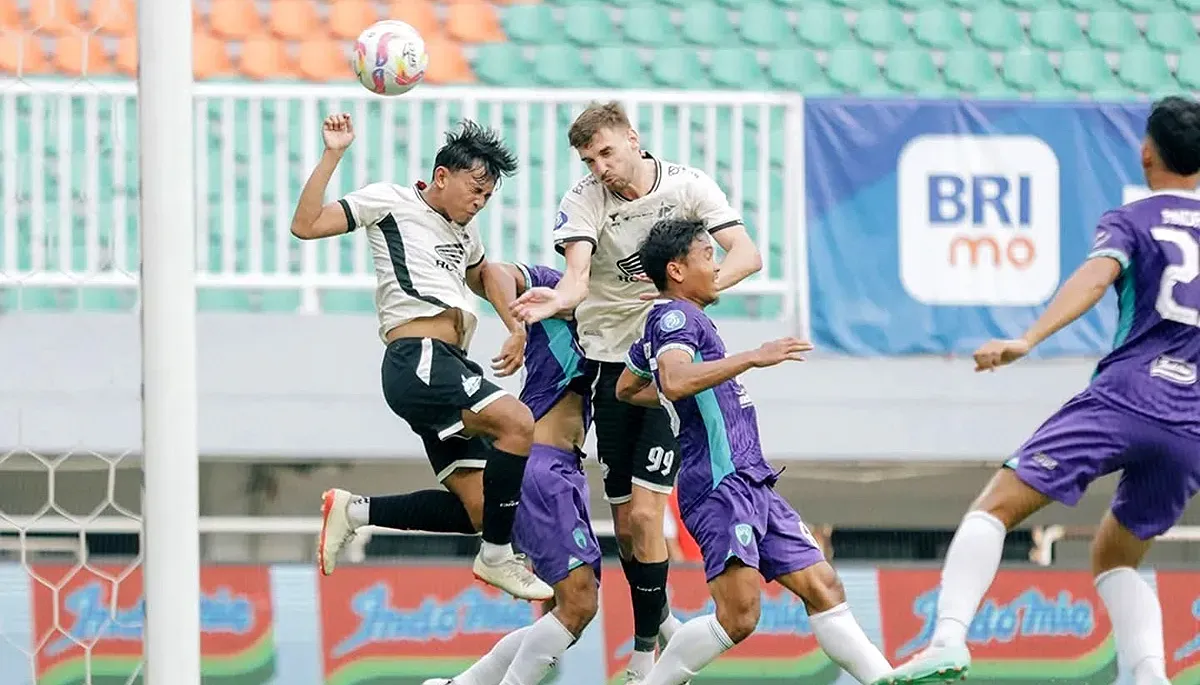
x: 389, y: 58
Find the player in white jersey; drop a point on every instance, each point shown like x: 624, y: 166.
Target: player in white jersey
x: 428, y: 259
x: 601, y: 222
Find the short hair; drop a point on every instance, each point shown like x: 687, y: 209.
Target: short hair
x: 597, y: 116
x: 471, y: 145
x: 1174, y: 127
x: 669, y: 241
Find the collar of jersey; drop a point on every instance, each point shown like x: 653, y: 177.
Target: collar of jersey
x: 1189, y: 194
x: 417, y: 188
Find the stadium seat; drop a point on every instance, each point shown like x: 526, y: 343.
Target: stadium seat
x: 1189, y: 68
x: 619, y: 67
x: 49, y: 19
x: 704, y: 23
x: 112, y: 17
x: 853, y: 69
x: 1170, y: 31
x: 1144, y: 69
x: 823, y: 27
x: 916, y: 5
x: 1192, y: 6
x: 996, y: 27
x: 853, y: 4
x: 1141, y: 6
x: 939, y: 27
x: 348, y: 17
x: 233, y: 19
x: 263, y: 57
x: 80, y: 54
x: 1027, y: 5
x: 294, y: 19
x: 797, y: 69
x: 447, y: 63
x: 649, y: 24
x: 209, y: 57
x: 765, y: 25
x: 1029, y: 71
x: 1054, y: 28
x: 1112, y: 30
x: 969, y: 5
x: 913, y: 71
x: 880, y: 26
x: 502, y: 64
x: 530, y: 24
x: 561, y: 66
x: 419, y: 14
x: 473, y: 21
x: 322, y: 59
x: 588, y: 24
x: 1086, y: 70
x: 126, y: 59
x: 970, y: 70
x: 736, y: 69
x: 678, y: 68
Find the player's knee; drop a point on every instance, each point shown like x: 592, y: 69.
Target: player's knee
x: 514, y: 428
x: 738, y: 615
x: 827, y: 590
x: 645, y: 520
x: 577, y: 600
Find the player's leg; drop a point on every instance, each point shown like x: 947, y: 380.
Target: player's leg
x: 1081, y: 442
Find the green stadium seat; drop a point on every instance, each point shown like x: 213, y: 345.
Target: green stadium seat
x: 1087, y: 71
x: 1112, y: 30
x: 588, y: 24
x: 501, y: 64
x: 823, y: 27
x: 619, y: 67
x: 912, y: 71
x: 1192, y: 6
x: 1087, y: 5
x: 916, y: 5
x: 678, y: 68
x: 853, y: 69
x: 1054, y: 28
x: 649, y: 24
x: 853, y: 4
x: 736, y: 69
x: 997, y: 27
x: 794, y: 68
x: 673, y: 3
x: 1189, y: 68
x: 1144, y: 69
x: 1029, y: 71
x: 530, y: 24
x: 1141, y: 6
x: 881, y: 26
x: 704, y: 23
x: 939, y: 27
x: 765, y: 25
x: 560, y: 65
x: 1027, y: 5
x: 1170, y: 31
x: 736, y: 5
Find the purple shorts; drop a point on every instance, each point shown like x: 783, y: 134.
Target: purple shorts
x: 1088, y: 438
x: 553, y: 526
x: 753, y: 523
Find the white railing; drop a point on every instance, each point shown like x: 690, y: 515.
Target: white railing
x: 69, y: 205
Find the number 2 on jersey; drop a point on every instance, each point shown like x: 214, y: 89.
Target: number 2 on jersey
x: 1168, y: 308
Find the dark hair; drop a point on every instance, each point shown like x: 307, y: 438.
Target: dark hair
x: 472, y: 145
x: 1174, y: 128
x: 597, y: 116
x: 669, y: 241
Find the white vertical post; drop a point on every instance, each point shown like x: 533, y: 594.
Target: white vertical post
x: 170, y: 509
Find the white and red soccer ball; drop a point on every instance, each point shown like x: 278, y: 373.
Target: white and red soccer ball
x: 389, y: 58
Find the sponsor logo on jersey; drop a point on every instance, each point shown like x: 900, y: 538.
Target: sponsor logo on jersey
x: 451, y: 256
x: 631, y: 268
x: 672, y: 321
x: 471, y: 384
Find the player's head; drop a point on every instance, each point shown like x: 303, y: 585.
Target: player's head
x: 607, y: 144
x: 1172, y: 144
x: 677, y: 255
x: 468, y: 168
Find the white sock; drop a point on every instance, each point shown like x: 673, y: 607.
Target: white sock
x: 490, y: 669
x: 640, y: 662
x: 1136, y: 618
x: 358, y: 510
x: 668, y: 628
x: 539, y: 651
x: 696, y: 644
x: 844, y: 641
x: 970, y: 568
x: 494, y: 554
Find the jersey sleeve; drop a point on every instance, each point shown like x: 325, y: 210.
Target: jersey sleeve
x: 538, y: 276
x: 676, y: 330
x: 580, y: 214
x: 475, y: 250
x: 367, y: 205
x: 636, y: 362
x: 1114, y: 238
x: 709, y: 204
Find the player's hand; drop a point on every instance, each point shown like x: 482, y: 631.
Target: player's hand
x: 997, y: 353
x: 537, y: 304
x: 782, y: 350
x: 512, y: 355
x: 645, y: 297
x: 338, y: 132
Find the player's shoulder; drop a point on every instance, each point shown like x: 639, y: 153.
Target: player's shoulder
x: 668, y: 316
x: 540, y: 276
x: 1176, y: 208
x: 682, y: 174
x: 587, y: 189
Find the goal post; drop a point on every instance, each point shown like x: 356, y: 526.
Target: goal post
x: 171, y: 512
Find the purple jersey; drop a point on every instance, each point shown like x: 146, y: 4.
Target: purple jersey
x: 1151, y: 370
x: 554, y: 362
x: 717, y: 428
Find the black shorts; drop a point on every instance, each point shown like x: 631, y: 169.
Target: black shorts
x: 429, y: 384
x: 635, y: 445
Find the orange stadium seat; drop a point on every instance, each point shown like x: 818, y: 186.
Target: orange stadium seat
x: 126, y: 61
x: 347, y: 18
x: 323, y: 59
x: 264, y: 57
x: 209, y: 57
x: 474, y: 22
x: 447, y: 63
x: 53, y: 18
x: 114, y: 17
x: 10, y: 14
x: 294, y: 19
x: 234, y: 19
x: 21, y: 54
x: 80, y: 54
x: 420, y: 14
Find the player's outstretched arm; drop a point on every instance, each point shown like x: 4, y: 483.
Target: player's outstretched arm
x: 502, y: 283
x: 635, y: 389
x: 311, y: 219
x: 537, y: 304
x: 679, y: 376
x: 742, y: 258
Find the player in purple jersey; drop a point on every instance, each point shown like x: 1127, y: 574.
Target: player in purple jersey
x: 1140, y: 414
x: 553, y: 526
x: 726, y: 488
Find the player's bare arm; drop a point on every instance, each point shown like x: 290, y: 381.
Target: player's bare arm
x: 502, y: 283
x: 537, y: 304
x: 1079, y: 294
x: 311, y: 220
x: 635, y: 389
x: 742, y: 258
x: 679, y: 376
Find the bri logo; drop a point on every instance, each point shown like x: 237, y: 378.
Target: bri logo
x: 1030, y: 614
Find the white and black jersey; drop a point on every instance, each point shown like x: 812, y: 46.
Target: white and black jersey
x: 421, y: 257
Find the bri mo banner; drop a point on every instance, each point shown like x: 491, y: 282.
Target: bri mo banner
x: 934, y: 226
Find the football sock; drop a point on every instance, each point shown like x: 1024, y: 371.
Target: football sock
x: 501, y: 494
x: 432, y: 511
x: 539, y: 651
x: 697, y: 644
x: 844, y: 641
x: 648, y: 592
x: 970, y: 568
x: 669, y: 625
x: 1137, y: 623
x: 490, y: 669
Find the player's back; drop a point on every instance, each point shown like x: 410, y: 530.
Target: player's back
x: 1152, y: 369
x: 717, y: 428
x: 553, y: 358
